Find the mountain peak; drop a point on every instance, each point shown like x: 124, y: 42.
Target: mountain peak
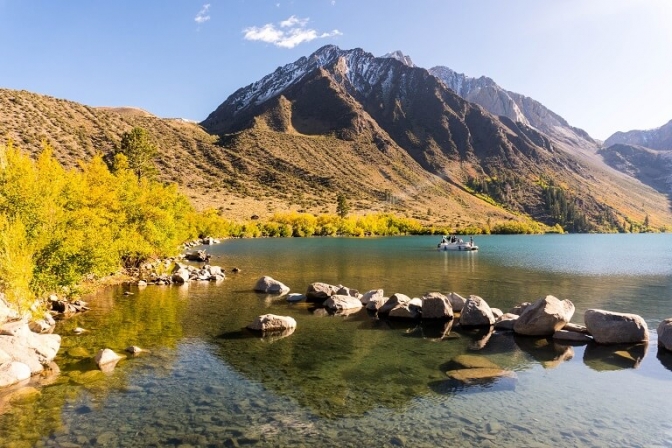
x: 401, y: 57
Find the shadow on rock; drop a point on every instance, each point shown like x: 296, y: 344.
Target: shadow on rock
x: 604, y: 358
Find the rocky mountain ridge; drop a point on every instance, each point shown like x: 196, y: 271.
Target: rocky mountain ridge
x: 407, y: 111
x: 659, y: 138
x: 487, y: 93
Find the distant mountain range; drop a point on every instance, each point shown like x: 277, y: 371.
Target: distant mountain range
x: 432, y: 144
x: 659, y: 138
x: 406, y: 110
x: 645, y: 155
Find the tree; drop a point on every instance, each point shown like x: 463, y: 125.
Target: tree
x: 342, y: 207
x: 138, y: 148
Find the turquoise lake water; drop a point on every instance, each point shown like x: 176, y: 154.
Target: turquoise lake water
x: 356, y: 380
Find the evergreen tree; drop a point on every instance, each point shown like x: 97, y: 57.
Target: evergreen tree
x: 138, y: 148
x: 342, y: 206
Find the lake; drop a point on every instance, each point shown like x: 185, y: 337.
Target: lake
x: 355, y: 380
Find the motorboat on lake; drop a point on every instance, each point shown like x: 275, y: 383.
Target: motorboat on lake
x: 454, y: 243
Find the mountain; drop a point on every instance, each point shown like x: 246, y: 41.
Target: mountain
x: 659, y: 138
x: 389, y: 135
x: 650, y: 166
x: 392, y: 112
x: 498, y: 101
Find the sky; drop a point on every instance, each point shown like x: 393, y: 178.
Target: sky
x: 603, y: 65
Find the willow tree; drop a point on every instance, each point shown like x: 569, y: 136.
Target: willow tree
x: 140, y: 152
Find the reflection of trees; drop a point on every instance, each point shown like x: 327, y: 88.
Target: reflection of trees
x: 150, y: 320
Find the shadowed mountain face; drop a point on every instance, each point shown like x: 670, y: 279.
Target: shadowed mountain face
x: 405, y: 110
x: 652, y: 167
x: 659, y: 138
x: 645, y: 155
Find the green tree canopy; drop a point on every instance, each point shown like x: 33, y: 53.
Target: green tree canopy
x: 140, y: 152
x: 342, y: 206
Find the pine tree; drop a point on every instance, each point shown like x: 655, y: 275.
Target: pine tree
x: 138, y: 148
x: 342, y: 207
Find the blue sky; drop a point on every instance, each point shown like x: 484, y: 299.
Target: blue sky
x: 604, y: 65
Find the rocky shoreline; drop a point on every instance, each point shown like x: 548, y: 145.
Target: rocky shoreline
x: 27, y: 343
x: 28, y: 347
x: 547, y: 317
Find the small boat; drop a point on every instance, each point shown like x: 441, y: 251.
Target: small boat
x: 456, y: 244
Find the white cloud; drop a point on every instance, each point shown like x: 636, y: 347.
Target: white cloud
x: 292, y: 21
x: 202, y: 15
x: 287, y: 33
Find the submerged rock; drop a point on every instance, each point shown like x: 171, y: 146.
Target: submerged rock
x: 106, y: 359
x: 608, y: 327
x: 467, y: 361
x: 479, y: 374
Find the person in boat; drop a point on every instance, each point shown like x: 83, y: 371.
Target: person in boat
x: 471, y: 241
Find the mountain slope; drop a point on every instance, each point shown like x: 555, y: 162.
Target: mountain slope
x: 659, y: 138
x: 650, y: 166
x: 498, y: 101
x: 401, y: 109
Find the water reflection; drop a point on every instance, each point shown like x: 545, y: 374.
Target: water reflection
x: 545, y: 351
x: 665, y: 358
x: 603, y: 358
x: 346, y: 380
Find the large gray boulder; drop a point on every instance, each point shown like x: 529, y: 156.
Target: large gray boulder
x: 13, y: 372
x: 506, y: 321
x: 342, y: 302
x: 665, y: 334
x: 345, y: 291
x: 394, y: 301
x: 376, y: 302
x: 32, y: 349
x: 476, y: 313
x: 436, y: 306
x: 608, y: 327
x: 456, y: 301
x: 180, y: 276
x: 272, y: 323
x: 544, y: 317
x: 320, y: 292
x: 270, y: 286
x: 374, y: 293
